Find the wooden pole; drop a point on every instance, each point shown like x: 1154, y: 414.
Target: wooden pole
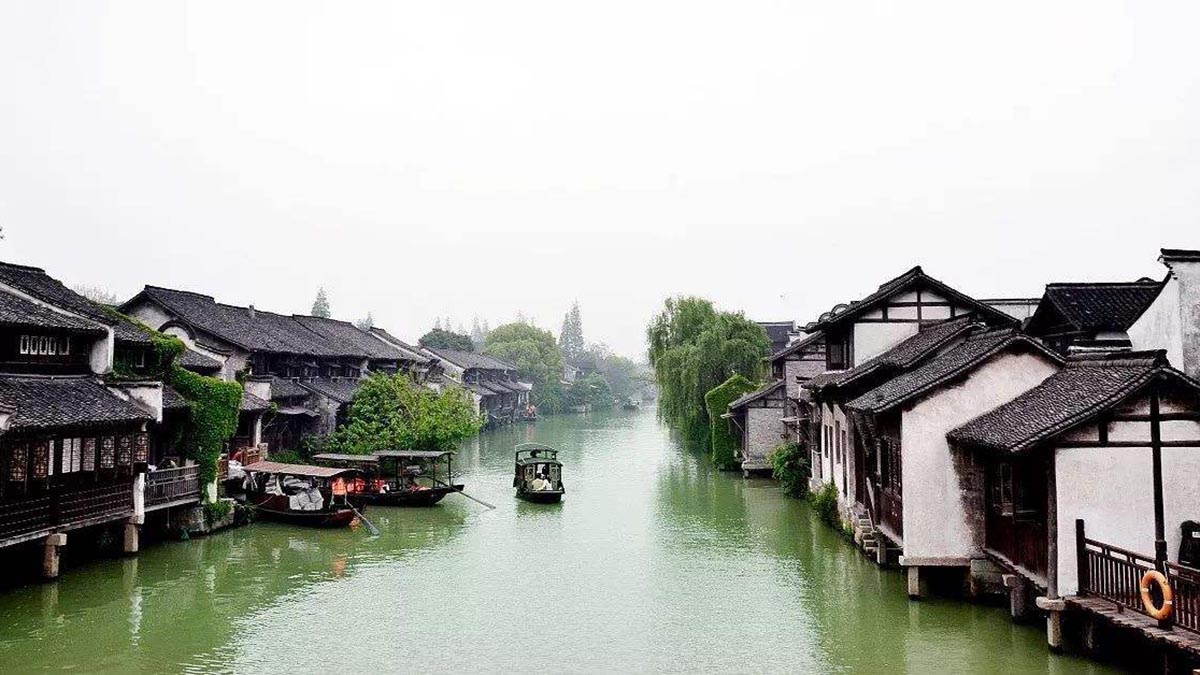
x: 1160, y: 541
x: 464, y: 494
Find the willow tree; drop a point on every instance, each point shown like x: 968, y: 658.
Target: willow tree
x: 694, y: 348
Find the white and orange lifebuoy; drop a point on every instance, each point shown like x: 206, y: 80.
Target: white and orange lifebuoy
x: 1160, y: 612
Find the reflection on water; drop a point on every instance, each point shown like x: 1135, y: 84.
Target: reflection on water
x: 652, y: 562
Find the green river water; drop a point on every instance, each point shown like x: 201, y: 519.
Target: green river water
x: 653, y: 562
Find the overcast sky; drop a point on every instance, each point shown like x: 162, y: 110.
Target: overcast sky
x: 424, y: 159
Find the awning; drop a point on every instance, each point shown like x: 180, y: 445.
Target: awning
x: 305, y: 470
x: 296, y: 410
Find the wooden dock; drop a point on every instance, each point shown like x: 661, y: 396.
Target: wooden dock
x: 1117, y: 615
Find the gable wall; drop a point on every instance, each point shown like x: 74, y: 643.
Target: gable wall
x: 937, y: 520
x: 1159, y: 327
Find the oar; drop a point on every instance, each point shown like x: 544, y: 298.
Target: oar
x: 370, y: 528
x: 462, y: 493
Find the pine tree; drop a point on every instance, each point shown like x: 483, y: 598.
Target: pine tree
x: 570, y: 341
x: 366, y: 323
x: 321, y: 305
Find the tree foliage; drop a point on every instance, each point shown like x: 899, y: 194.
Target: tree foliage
x: 570, y: 340
x: 440, y: 338
x: 535, y: 354
x: 590, y: 390
x: 693, y: 348
x: 390, y: 411
x: 321, y: 306
x: 366, y: 323
x: 213, y: 406
x: 724, y: 441
x: 791, y: 467
x: 625, y: 378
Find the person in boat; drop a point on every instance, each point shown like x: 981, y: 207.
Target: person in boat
x: 540, y: 483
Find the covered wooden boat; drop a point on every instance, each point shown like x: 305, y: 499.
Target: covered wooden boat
x: 316, y: 496
x: 538, y: 474
x: 398, y: 477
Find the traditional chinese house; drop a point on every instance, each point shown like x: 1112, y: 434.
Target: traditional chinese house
x: 758, y: 417
x: 495, y: 386
x: 910, y: 479
x: 1087, y: 478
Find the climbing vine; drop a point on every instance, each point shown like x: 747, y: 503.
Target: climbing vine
x: 213, y: 417
x: 724, y: 441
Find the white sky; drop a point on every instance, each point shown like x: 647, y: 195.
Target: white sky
x: 424, y: 159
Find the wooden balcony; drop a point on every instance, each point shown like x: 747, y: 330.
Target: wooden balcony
x: 172, y: 487
x: 62, y: 509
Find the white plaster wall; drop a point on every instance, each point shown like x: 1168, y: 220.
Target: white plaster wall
x: 1112, y: 490
x: 872, y: 339
x: 1158, y: 327
x: 764, y: 431
x: 258, y: 387
x: 1188, y: 274
x: 100, y: 359
x: 148, y: 394
x: 935, y: 518
x: 150, y: 314
x: 832, y: 466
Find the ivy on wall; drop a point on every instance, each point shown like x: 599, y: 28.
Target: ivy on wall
x: 724, y: 440
x: 213, y: 416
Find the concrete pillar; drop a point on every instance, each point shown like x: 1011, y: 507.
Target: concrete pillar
x: 1054, y: 632
x: 131, y: 538
x: 50, y: 554
x: 917, y: 587
x: 880, y: 550
x: 1018, y: 596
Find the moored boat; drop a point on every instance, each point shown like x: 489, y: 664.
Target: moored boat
x: 397, y: 477
x: 538, y: 474
x: 315, y: 496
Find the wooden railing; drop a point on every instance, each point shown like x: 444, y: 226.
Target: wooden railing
x: 1115, y: 574
x: 62, y: 509
x: 172, y: 486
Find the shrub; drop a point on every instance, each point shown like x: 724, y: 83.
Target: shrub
x: 825, y: 503
x: 790, y: 466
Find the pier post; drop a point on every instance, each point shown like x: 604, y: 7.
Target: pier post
x: 1018, y: 596
x: 917, y: 587
x: 131, y: 537
x: 1054, y: 608
x: 50, y: 555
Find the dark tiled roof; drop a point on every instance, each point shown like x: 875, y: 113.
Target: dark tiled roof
x: 1098, y: 306
x: 903, y: 356
x: 172, y: 400
x: 126, y: 330
x: 15, y: 311
x: 468, y: 360
x: 947, y: 367
x: 414, y: 353
x: 913, y: 278
x: 47, y: 402
x: 282, y: 388
x: 251, y: 330
x: 777, y: 332
x: 194, y: 360
x: 1087, y: 386
x: 761, y: 392
x: 797, y: 346
x: 352, y: 339
x: 252, y: 403
x: 36, y: 283
x: 340, y: 389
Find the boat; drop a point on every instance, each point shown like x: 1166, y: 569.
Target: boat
x: 316, y: 496
x: 529, y: 414
x: 534, y: 460
x: 397, y: 477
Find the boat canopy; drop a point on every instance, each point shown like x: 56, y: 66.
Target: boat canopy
x: 342, y: 457
x: 536, y: 452
x: 304, y: 470
x: 412, y: 454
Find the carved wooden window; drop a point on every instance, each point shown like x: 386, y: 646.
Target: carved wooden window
x: 18, y: 459
x: 41, y: 459
x: 88, y: 461
x: 141, y: 448
x: 72, y: 449
x: 125, y: 450
x: 108, y: 452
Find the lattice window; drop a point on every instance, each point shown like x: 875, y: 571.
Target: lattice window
x: 72, y: 451
x: 125, y: 450
x: 89, y: 454
x: 41, y: 459
x: 141, y: 448
x: 108, y: 452
x: 18, y: 460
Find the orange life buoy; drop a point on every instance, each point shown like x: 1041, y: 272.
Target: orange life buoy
x: 1168, y: 596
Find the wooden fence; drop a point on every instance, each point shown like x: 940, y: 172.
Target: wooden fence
x: 172, y: 487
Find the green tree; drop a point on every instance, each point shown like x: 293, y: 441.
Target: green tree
x: 321, y: 306
x: 693, y: 348
x: 392, y: 411
x: 570, y: 340
x: 535, y: 354
x: 724, y: 441
x: 440, y: 338
x: 790, y: 466
x: 590, y: 390
x: 366, y: 323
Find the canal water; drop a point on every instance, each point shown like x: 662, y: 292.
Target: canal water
x: 654, y: 562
